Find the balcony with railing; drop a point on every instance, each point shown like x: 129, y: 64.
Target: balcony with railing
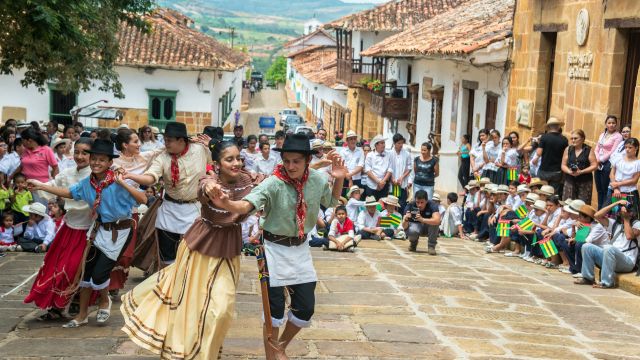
x: 391, y: 101
x: 352, y: 71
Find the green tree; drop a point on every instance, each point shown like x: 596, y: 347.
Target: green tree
x: 71, y: 43
x: 278, y: 70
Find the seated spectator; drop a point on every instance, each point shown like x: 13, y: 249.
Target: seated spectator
x: 391, y: 231
x: 502, y: 213
x: 437, y: 200
x: 471, y: 198
x: 40, y: 229
x: 316, y: 236
x: 5, y: 195
x: 487, y: 208
x: 354, y: 204
x: 525, y: 176
x: 368, y: 221
x: 514, y: 199
x: 598, y: 235
x: 618, y: 257
x: 341, y: 232
x: 537, y: 216
x: 535, y: 184
x: 21, y: 198
x: 545, y: 191
x: 522, y: 237
x: 554, y: 211
x: 422, y: 218
x: 7, y: 240
x: 452, y: 220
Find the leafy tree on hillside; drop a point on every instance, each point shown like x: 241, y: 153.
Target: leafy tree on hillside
x: 71, y: 43
x: 278, y: 70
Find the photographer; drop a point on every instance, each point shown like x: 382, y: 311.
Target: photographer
x: 422, y: 218
x: 578, y: 163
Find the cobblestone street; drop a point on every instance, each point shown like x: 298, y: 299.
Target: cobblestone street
x: 382, y: 302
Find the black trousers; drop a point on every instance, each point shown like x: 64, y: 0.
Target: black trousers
x: 378, y: 194
x: 168, y: 244
x: 303, y: 301
x: 97, y: 270
x: 463, y: 171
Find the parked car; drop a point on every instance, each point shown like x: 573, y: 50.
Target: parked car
x: 307, y: 130
x: 291, y: 122
x: 284, y: 113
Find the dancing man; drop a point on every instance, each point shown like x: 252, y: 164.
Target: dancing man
x: 293, y: 186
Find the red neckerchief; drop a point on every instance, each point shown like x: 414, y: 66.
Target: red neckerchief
x: 110, y: 178
x: 344, y: 229
x: 298, y: 185
x: 175, y: 170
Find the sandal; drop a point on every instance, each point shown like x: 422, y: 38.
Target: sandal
x: 52, y: 314
x: 583, y: 281
x: 103, y: 314
x: 75, y: 323
x: 599, y: 285
x: 551, y: 265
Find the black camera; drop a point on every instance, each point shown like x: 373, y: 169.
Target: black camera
x: 573, y: 167
x: 414, y: 211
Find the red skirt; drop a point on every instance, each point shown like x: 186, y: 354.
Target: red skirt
x: 120, y: 272
x: 59, y: 269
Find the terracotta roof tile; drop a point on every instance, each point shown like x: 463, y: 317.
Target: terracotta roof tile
x: 172, y: 44
x: 462, y: 30
x: 317, y: 64
x: 396, y: 15
x: 308, y: 36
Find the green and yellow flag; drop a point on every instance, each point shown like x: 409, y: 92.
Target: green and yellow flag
x: 392, y: 221
x: 582, y: 233
x: 526, y: 224
x: 521, y: 211
x: 548, y: 247
x: 503, y: 229
x: 512, y: 174
x: 395, y: 190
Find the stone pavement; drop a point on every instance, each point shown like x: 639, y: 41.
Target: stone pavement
x: 383, y: 302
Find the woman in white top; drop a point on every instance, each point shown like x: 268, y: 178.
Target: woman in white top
x: 490, y: 151
x: 54, y: 285
x: 625, y: 174
x: 250, y: 154
x: 148, y: 140
x: 507, y: 162
x: 477, y: 158
x: 618, y: 152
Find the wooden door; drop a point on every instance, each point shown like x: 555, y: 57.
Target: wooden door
x: 492, y: 112
x: 436, y: 120
x: 630, y: 79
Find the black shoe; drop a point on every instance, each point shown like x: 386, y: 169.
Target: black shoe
x: 375, y: 237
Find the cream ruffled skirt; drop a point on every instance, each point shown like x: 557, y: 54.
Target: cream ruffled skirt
x: 184, y: 310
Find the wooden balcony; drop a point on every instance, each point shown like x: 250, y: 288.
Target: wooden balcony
x: 351, y: 71
x: 390, y: 103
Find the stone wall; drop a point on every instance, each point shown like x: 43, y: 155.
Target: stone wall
x: 137, y: 118
x: 581, y: 103
x: 362, y: 120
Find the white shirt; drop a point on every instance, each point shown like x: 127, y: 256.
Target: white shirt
x: 617, y: 154
x: 598, y: 235
x: 353, y: 159
x: 510, y: 158
x: 353, y: 209
x: 378, y: 164
x: 45, y: 230
x: 553, y: 217
x: 249, y: 226
x: 265, y: 166
x: 565, y: 224
x: 367, y: 221
x: 492, y: 151
x: 619, y: 239
x: 333, y: 229
x: 400, y: 163
x: 6, y: 236
x: 64, y: 162
x: 250, y: 159
x: 9, y: 163
x: 151, y: 145
x: 476, y: 152
x: 78, y: 216
x: 625, y: 170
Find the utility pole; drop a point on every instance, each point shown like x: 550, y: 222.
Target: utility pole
x: 232, y: 32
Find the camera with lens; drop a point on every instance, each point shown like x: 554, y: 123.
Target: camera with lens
x: 414, y: 211
x: 574, y: 167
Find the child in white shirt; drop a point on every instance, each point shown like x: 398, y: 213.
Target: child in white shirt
x: 354, y: 204
x: 7, y: 241
x: 452, y: 221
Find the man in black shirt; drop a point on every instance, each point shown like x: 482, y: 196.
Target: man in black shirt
x: 551, y: 148
x: 422, y: 218
x: 238, y: 131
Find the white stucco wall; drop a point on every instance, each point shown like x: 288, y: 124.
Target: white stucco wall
x: 445, y: 72
x: 192, y: 95
x: 309, y: 91
x: 369, y: 38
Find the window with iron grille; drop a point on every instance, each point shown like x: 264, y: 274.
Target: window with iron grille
x: 162, y: 107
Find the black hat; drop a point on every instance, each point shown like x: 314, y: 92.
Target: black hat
x: 104, y: 147
x: 176, y: 130
x: 296, y: 143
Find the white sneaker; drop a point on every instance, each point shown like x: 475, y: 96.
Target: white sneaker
x: 577, y: 276
x: 18, y: 248
x: 13, y: 247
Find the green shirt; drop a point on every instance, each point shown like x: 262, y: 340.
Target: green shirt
x: 22, y: 199
x: 279, y: 201
x: 5, y: 198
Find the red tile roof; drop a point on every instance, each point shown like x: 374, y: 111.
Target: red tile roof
x: 171, y: 44
x: 317, y: 64
x: 303, y: 38
x: 396, y: 15
x: 458, y: 31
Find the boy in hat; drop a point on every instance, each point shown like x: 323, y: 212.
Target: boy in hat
x: 40, y: 229
x: 470, y: 219
x: 354, y: 161
x: 293, y: 186
x: 369, y: 219
x: 376, y: 167
x: 354, y: 203
x: 390, y: 212
x: 181, y: 166
x: 112, y: 200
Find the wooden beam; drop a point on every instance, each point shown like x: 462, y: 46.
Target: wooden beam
x: 550, y: 27
x: 622, y: 23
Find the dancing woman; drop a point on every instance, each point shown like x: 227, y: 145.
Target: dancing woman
x: 185, y: 310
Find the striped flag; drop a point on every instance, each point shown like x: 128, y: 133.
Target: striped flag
x: 582, y: 233
x: 534, y: 242
x: 512, y: 174
x: 521, y: 211
x: 503, y: 229
x: 392, y: 221
x: 395, y: 190
x: 548, y: 247
x: 526, y: 224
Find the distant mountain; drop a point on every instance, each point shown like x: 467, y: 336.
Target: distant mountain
x: 261, y: 26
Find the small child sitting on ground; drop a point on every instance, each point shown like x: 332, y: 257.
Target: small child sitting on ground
x: 40, y: 229
x: 368, y: 221
x: 7, y: 241
x: 21, y: 198
x: 452, y: 221
x: 341, y: 232
x: 391, y: 219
